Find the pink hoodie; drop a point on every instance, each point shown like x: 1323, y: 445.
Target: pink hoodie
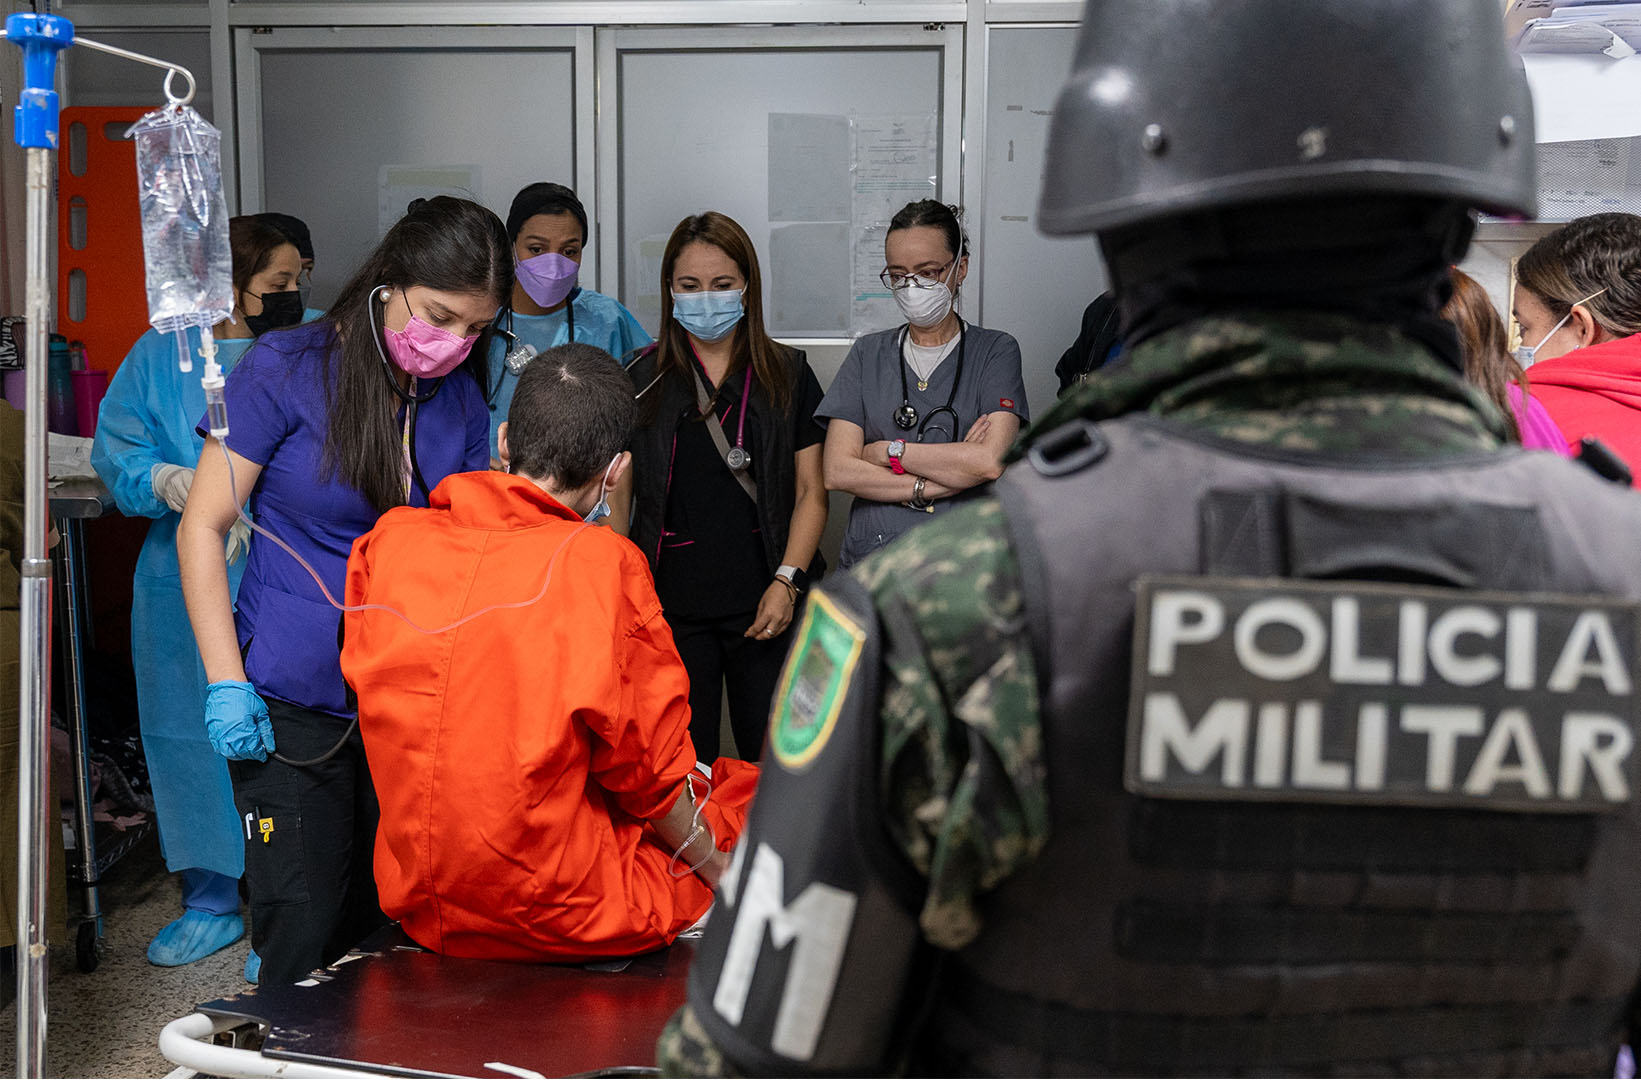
x: 1538, y: 431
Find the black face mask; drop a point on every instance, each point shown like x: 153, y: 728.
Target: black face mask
x: 278, y: 309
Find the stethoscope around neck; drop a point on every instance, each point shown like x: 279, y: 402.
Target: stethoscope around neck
x: 522, y: 352
x: 737, y: 457
x: 411, y: 400
x: 906, y: 417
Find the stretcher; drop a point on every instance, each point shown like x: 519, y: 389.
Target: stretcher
x: 391, y: 1008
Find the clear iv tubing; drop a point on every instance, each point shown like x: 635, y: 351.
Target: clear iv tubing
x: 696, y: 828
x: 217, y: 420
x: 352, y: 608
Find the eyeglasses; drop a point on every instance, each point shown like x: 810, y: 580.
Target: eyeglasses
x: 895, y: 282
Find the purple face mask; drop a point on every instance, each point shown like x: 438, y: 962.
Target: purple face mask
x: 548, y: 278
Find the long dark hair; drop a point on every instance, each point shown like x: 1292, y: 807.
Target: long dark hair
x: 751, y: 343
x: 1488, y: 363
x: 443, y: 243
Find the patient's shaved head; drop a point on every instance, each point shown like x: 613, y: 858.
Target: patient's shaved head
x: 572, y: 412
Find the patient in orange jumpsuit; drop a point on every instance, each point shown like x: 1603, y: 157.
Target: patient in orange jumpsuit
x: 531, y: 762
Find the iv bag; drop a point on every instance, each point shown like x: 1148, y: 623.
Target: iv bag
x: 184, y: 220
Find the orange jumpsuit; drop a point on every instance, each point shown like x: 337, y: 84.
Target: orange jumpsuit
x: 519, y: 756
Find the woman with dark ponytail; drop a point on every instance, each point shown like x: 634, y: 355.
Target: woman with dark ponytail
x: 145, y: 451
x: 919, y: 416
x: 547, y: 226
x: 330, y: 424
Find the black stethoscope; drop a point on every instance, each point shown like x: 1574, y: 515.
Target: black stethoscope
x: 410, y: 400
x: 906, y: 416
x: 519, y: 356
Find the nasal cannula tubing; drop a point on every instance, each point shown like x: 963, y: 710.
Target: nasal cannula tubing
x: 696, y: 828
x: 391, y: 610
x: 217, y: 409
x: 217, y: 412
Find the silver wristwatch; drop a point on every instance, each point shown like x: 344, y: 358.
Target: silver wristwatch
x: 917, y: 501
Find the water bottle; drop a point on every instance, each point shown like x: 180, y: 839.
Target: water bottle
x: 60, y: 414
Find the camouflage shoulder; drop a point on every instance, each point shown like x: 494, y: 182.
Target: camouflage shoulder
x: 959, y: 676
x: 954, y: 585
x: 685, y: 1048
x: 970, y: 540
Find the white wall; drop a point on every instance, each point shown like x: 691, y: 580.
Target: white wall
x: 1036, y: 286
x: 1491, y: 255
x: 331, y: 119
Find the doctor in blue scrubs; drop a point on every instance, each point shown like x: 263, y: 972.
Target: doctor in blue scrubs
x: 547, y: 226
x: 331, y: 424
x: 145, y: 450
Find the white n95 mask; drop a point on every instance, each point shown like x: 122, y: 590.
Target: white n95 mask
x: 926, y: 305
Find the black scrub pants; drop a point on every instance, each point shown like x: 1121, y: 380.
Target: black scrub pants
x: 313, y: 891
x: 717, y: 657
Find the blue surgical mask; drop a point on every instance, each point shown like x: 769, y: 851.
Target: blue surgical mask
x: 709, y: 316
x: 601, y: 509
x: 1526, y: 354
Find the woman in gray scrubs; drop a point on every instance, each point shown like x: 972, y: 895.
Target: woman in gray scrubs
x: 919, y: 416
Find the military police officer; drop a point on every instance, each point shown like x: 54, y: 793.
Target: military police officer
x: 1274, y: 717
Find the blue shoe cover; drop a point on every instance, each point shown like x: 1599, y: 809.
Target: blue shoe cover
x: 253, y: 967
x: 195, y: 936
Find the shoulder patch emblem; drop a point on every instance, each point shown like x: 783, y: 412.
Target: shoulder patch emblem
x: 815, y: 682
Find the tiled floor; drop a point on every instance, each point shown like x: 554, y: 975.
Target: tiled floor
x: 107, y: 1023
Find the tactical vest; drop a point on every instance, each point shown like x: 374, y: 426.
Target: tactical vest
x: 1157, y: 936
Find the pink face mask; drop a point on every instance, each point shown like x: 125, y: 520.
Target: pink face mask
x: 425, y: 351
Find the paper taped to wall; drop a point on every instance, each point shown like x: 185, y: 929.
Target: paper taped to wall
x: 808, y: 167
x: 1578, y: 178
x: 1583, y: 96
x: 809, y: 288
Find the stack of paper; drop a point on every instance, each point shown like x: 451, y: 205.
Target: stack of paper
x: 1606, y: 29
x: 1582, y: 62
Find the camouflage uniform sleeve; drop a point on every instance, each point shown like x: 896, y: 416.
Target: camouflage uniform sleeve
x: 960, y: 784
x: 686, y: 1049
x: 962, y: 779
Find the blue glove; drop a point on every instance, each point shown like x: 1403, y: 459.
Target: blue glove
x: 236, y: 721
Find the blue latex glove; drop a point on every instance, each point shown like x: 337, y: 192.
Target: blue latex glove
x: 236, y: 721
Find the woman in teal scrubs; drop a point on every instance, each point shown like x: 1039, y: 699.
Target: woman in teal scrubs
x: 547, y: 227
x: 145, y: 450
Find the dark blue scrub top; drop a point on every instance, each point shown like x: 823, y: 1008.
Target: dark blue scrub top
x: 277, y: 418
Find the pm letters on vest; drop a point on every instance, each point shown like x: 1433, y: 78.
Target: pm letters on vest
x: 1364, y: 693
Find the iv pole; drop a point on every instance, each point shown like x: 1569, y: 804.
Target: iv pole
x: 41, y: 37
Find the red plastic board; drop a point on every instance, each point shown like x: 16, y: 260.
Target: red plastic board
x: 116, y: 298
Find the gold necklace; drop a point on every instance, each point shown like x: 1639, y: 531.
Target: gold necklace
x: 923, y: 384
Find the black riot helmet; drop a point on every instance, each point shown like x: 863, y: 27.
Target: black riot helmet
x: 1181, y: 106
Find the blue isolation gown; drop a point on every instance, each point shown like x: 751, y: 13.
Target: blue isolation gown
x: 599, y: 320
x: 147, y: 418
